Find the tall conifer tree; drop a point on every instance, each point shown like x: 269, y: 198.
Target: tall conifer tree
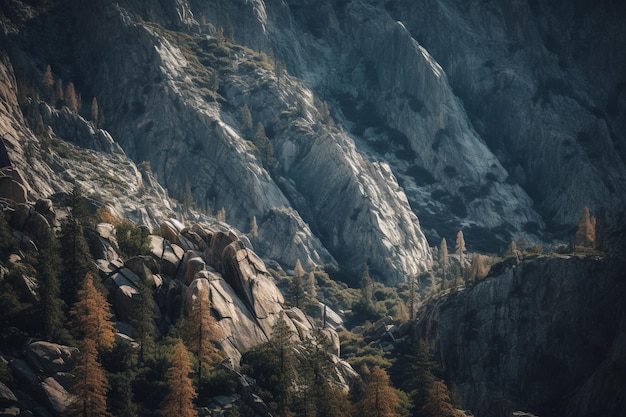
x: 379, y: 398
x: 49, y: 270
x: 143, y: 313
x: 91, y: 316
x: 201, y: 330
x: 179, y: 400
x: 90, y: 384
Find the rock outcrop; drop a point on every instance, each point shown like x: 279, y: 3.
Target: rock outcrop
x: 543, y: 85
x: 540, y: 336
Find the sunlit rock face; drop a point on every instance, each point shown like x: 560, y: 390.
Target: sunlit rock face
x: 502, y: 120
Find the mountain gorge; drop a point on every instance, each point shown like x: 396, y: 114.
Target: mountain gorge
x: 253, y: 138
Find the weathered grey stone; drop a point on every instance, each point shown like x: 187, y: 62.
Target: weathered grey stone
x: 7, y: 397
x: 538, y: 330
x: 55, y: 395
x: 50, y: 358
x: 10, y: 188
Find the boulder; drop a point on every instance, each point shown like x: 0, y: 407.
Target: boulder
x: 169, y: 232
x: 7, y: 398
x: 56, y: 395
x: 143, y: 266
x: 203, y: 232
x: 193, y: 264
x: 44, y: 207
x: 102, y: 243
x: 10, y: 188
x: 247, y: 275
x: 169, y: 255
x: 36, y: 225
x: 50, y: 358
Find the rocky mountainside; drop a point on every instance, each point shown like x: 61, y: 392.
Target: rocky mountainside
x: 545, y: 336
x: 376, y: 114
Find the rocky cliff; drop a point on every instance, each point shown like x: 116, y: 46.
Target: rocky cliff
x: 482, y: 119
x: 545, y: 336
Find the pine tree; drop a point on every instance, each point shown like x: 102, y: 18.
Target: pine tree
x: 179, y: 399
x: 254, y: 228
x: 246, y: 120
x: 418, y: 375
x: 201, y: 330
x: 221, y: 215
x: 188, y: 203
x: 282, y: 347
x: 91, y: 316
x: 315, y: 369
x: 586, y: 234
x: 297, y: 295
x: 438, y: 403
x: 90, y: 384
x: 48, y: 85
x: 7, y: 242
x: 379, y: 398
x: 77, y: 261
x: 94, y: 111
x: 143, y: 313
x: 311, y: 289
x: 77, y: 204
x: 59, y: 95
x: 367, y: 289
x: 460, y: 250
x: 51, y: 306
x: 263, y: 144
x: 412, y: 298
x: 443, y: 257
x: 71, y: 100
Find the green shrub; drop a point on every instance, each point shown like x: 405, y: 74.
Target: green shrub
x: 132, y: 240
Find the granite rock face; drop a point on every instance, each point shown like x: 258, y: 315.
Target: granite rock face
x: 543, y: 85
x: 540, y: 336
x: 495, y: 119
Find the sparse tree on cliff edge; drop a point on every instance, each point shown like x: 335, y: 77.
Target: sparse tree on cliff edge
x: 367, y: 288
x: 246, y: 120
x: 90, y: 385
x: 460, y: 250
x: 586, y: 234
x: 48, y: 85
x: 311, y: 289
x: 443, y: 257
x: 71, y: 99
x: 221, y: 215
x: 297, y: 294
x: 94, y: 111
x: 179, y: 400
x: 254, y: 228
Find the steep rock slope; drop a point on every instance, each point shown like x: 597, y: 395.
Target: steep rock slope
x: 346, y: 199
x: 543, y: 85
x: 546, y: 336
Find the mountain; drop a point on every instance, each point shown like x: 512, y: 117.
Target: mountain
x: 251, y: 136
x: 378, y: 114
